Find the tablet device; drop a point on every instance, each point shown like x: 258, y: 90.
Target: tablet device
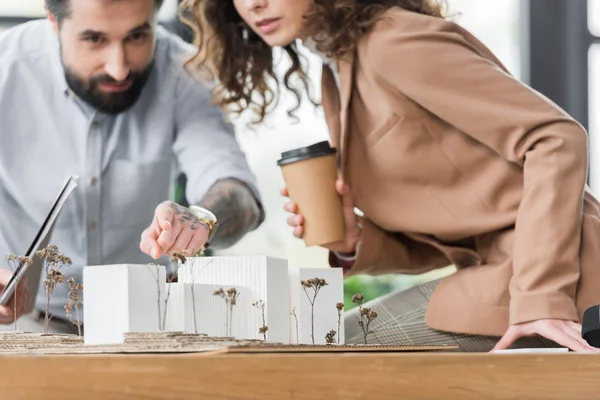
x: 34, y: 271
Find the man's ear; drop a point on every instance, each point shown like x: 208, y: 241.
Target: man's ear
x: 51, y: 18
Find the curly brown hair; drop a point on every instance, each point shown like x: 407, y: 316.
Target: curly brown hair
x: 231, y: 54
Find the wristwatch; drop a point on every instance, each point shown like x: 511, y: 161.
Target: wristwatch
x: 207, y: 218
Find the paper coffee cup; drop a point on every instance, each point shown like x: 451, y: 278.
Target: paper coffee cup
x: 310, y: 174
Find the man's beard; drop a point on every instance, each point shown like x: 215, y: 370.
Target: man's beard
x: 110, y: 103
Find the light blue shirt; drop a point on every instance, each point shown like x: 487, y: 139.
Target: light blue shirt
x: 127, y: 164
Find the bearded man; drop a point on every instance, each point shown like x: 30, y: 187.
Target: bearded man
x: 99, y: 90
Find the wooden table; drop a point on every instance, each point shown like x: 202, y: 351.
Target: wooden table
x: 301, y: 376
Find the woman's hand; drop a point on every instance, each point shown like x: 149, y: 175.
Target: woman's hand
x: 348, y: 245
x: 565, y: 333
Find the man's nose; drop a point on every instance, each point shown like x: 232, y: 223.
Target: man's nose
x: 116, y: 66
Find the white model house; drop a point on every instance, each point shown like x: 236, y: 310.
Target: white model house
x: 316, y: 309
x: 213, y: 310
x: 264, y: 289
x: 121, y: 298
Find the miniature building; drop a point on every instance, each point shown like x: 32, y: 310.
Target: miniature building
x: 260, y: 278
x: 122, y: 298
x: 198, y: 308
x: 327, y: 316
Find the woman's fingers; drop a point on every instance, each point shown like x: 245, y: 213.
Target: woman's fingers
x: 295, y: 220
x: 298, y: 232
x: 512, y: 334
x: 291, y: 207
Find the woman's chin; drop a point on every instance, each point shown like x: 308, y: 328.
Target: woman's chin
x: 279, y: 40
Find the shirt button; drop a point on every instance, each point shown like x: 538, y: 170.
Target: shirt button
x: 92, y: 226
x: 95, y: 124
x: 94, y: 181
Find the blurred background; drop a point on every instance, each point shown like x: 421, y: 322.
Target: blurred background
x: 552, y: 45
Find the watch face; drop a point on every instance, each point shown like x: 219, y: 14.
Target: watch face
x: 203, y: 214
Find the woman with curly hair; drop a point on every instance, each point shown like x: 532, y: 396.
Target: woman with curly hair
x: 451, y: 160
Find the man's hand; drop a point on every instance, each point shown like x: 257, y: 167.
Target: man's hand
x: 174, y: 229
x: 7, y: 313
x: 565, y: 333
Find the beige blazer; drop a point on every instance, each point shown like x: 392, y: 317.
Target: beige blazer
x: 453, y: 161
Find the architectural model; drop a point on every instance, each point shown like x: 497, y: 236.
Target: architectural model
x: 212, y: 310
x: 317, y: 306
x: 122, y: 298
x: 240, y: 297
x: 266, y: 291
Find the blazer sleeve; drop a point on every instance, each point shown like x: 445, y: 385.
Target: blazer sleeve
x: 381, y: 252
x: 444, y: 73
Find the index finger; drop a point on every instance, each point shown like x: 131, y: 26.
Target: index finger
x: 149, y: 243
x: 163, y: 216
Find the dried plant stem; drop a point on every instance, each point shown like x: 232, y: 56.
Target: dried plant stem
x: 230, y: 319
x: 74, y: 301
x: 297, y: 329
x: 316, y: 284
x: 194, y: 309
x: 164, y: 319
x: 264, y: 323
x: 78, y: 324
x: 226, y: 319
x: 366, y: 314
x: 192, y: 275
x: 158, y: 291
x: 158, y: 298
x: 15, y: 307
x: 340, y: 308
x: 47, y: 319
x: 260, y: 305
x: 53, y: 261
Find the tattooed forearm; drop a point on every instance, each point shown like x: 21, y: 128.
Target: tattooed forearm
x: 236, y: 210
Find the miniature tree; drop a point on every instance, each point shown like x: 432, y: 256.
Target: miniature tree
x: 230, y: 296
x: 74, y: 302
x: 263, y: 331
x: 175, y: 259
x: 366, y: 314
x: 52, y: 262
x: 340, y: 308
x: 293, y: 313
x: 260, y: 305
x: 193, y: 282
x: 155, y: 271
x: 14, y: 262
x: 330, y: 337
x: 316, y: 284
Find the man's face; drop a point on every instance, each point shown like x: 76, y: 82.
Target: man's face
x: 107, y: 49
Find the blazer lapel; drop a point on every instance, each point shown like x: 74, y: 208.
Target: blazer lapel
x: 331, y: 104
x: 346, y: 75
x: 336, y: 103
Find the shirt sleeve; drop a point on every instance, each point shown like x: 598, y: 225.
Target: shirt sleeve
x: 205, y: 144
x: 452, y: 80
